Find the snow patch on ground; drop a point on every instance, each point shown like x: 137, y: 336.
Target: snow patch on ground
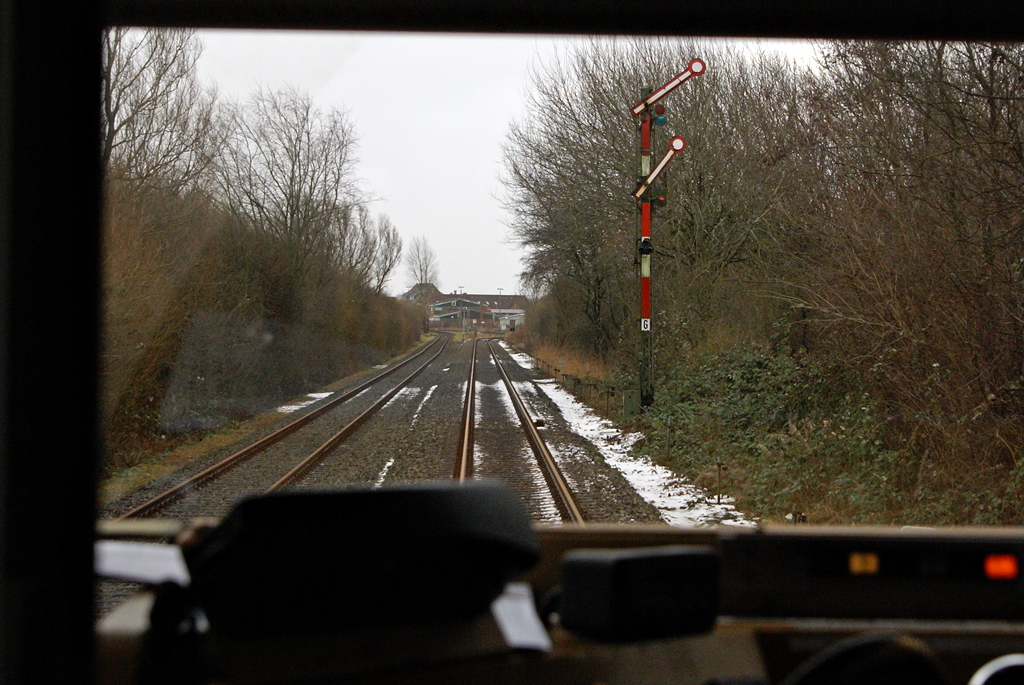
x: 416, y: 414
x: 680, y: 503
x: 384, y: 473
x: 502, y: 395
x: 403, y: 393
x: 310, y: 399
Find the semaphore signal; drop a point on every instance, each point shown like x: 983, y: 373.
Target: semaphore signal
x: 650, y: 112
x: 677, y: 145
x: 696, y: 68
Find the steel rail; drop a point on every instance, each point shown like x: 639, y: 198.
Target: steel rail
x: 168, y: 497
x: 321, y: 452
x: 464, y: 462
x: 564, y: 499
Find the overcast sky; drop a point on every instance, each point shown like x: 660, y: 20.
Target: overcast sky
x: 430, y: 113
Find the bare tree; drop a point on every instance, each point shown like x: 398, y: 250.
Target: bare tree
x: 568, y: 180
x: 288, y: 174
x: 916, y: 267
x: 422, y: 263
x: 388, y: 254
x: 158, y: 120
x: 355, y: 243
x: 365, y: 249
x: 158, y: 139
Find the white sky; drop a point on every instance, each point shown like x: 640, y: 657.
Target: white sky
x: 430, y: 113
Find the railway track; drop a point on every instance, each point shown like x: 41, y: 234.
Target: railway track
x: 288, y: 465
x: 192, y: 485
x: 561, y: 492
x: 412, y: 438
x: 310, y: 462
x: 464, y: 462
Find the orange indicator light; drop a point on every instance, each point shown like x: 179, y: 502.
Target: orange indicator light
x: 863, y: 564
x: 1001, y: 566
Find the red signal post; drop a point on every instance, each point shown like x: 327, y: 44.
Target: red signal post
x: 650, y: 112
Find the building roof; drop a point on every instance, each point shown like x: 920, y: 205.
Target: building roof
x: 491, y: 300
x: 422, y: 292
x: 456, y: 301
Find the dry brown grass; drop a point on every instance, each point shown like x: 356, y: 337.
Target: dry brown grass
x: 152, y: 466
x: 570, y: 361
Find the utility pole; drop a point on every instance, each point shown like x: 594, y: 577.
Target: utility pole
x: 650, y: 112
x: 462, y: 312
x: 499, y: 309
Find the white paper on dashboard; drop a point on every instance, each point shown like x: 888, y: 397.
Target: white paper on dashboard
x: 517, y: 619
x: 140, y: 562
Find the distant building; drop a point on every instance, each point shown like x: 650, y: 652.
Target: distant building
x: 478, y: 311
x: 422, y: 292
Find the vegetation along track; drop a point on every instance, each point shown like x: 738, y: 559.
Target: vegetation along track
x: 162, y: 501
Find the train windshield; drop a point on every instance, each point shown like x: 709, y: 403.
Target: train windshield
x: 638, y: 280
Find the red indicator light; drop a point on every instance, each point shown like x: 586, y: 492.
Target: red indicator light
x: 1001, y: 566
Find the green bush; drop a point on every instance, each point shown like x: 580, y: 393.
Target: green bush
x: 793, y: 433
x: 796, y: 434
